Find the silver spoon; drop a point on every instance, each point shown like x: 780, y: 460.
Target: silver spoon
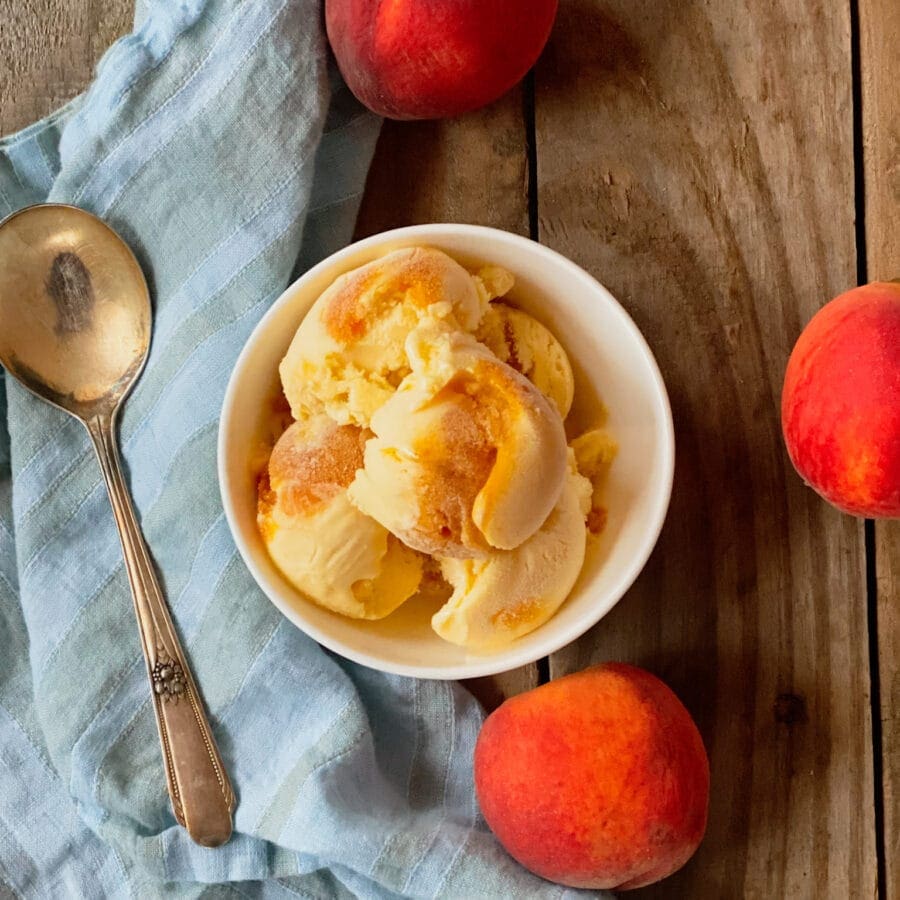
x: 75, y: 325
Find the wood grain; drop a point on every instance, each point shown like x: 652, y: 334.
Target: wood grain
x: 49, y: 50
x: 473, y: 169
x: 698, y: 159
x: 879, y: 38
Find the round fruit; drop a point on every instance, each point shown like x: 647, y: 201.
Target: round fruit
x: 428, y: 59
x: 596, y: 780
x: 840, y: 407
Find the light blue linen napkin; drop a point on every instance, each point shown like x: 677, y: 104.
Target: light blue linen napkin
x: 216, y: 141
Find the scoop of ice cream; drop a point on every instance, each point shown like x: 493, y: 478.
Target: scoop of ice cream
x: 517, y: 339
x: 348, y: 355
x: 328, y: 549
x: 468, y: 454
x: 512, y: 592
x: 595, y: 451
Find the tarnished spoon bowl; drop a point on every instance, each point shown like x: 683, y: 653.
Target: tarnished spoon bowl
x: 74, y: 307
x: 75, y: 322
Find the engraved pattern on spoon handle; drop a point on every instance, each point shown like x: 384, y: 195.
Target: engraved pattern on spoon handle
x: 201, y: 794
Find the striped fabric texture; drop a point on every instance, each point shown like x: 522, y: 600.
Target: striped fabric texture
x: 218, y: 141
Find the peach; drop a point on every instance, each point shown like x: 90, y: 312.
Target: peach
x: 840, y: 407
x: 595, y: 780
x: 428, y: 59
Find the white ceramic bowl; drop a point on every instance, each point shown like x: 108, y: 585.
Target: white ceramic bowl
x: 612, y: 363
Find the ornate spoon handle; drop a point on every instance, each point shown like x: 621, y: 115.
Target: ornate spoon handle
x: 202, y: 798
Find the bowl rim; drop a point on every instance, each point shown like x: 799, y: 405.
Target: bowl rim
x: 506, y: 659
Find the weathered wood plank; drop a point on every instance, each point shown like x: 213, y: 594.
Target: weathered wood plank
x: 473, y: 169
x: 49, y: 50
x: 698, y: 158
x: 879, y: 38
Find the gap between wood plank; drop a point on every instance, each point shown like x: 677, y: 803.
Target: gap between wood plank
x: 875, y: 693
x: 862, y: 277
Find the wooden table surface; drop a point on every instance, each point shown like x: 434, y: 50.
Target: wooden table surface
x: 724, y: 169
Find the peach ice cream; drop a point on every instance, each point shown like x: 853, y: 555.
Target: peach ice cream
x: 348, y: 355
x: 324, y: 546
x: 467, y: 456
x: 429, y: 437
x: 511, y: 592
x: 522, y: 342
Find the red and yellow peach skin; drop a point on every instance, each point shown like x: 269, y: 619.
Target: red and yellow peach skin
x: 595, y: 780
x: 840, y: 407
x: 428, y: 59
